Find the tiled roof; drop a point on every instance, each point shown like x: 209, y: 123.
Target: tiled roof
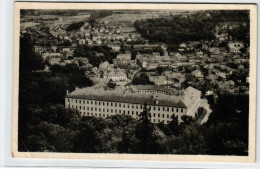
x: 124, y: 96
x: 190, y: 97
x: 153, y: 87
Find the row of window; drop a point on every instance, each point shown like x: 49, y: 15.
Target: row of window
x: 100, y: 103
x: 159, y: 115
x: 112, y: 110
x: 105, y: 115
x: 151, y: 91
x: 126, y: 105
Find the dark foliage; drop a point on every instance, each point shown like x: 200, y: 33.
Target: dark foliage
x: 194, y: 27
x: 142, y: 79
x: 74, y: 26
x: 91, y: 54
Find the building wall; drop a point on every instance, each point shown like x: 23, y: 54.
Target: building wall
x: 105, y: 108
x: 192, y: 110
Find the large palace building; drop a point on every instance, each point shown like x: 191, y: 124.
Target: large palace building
x: 161, y: 106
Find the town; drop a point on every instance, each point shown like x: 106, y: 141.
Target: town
x: 134, y: 81
x: 133, y: 71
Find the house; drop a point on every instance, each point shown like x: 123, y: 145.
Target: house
x: 116, y: 75
x: 126, y: 56
x: 103, y: 66
x: 158, y: 80
x: 235, y: 46
x: 96, y: 71
x: 214, y: 52
x: 54, y: 61
x: 51, y: 55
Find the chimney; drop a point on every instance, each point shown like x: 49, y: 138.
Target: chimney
x: 156, y: 100
x: 67, y: 92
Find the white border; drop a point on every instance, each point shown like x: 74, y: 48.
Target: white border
x: 6, y: 71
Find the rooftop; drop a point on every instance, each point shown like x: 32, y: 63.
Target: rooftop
x: 126, y: 96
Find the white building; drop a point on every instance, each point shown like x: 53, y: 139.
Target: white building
x: 104, y: 103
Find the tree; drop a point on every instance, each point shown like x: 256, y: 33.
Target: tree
x: 143, y: 131
x: 190, y: 141
x: 29, y: 61
x: 86, y: 141
x: 174, y: 125
x: 142, y: 79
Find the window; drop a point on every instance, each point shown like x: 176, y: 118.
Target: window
x: 177, y: 110
x: 120, y: 111
x: 95, y: 114
x: 111, y: 104
x: 95, y: 109
x: 167, y: 115
x: 167, y: 109
x: 162, y: 115
x: 172, y: 109
x: 137, y: 106
x: 87, y: 102
x: 107, y: 104
x: 153, y: 120
x: 158, y: 108
x: 103, y: 103
x: 159, y: 115
x: 83, y: 101
x: 123, y: 105
x: 99, y: 103
x: 124, y: 112
x: 158, y: 120
x: 87, y: 108
x: 115, y: 111
x: 83, y: 107
x: 128, y: 105
x: 137, y: 113
x: 132, y: 106
x: 154, y: 115
x: 79, y: 101
x: 91, y: 102
x: 115, y: 104
x: 154, y: 108
x: 91, y: 108
x: 99, y: 109
x: 72, y: 106
x: 107, y: 110
x: 119, y: 104
x: 76, y: 107
x: 79, y: 107
x: 182, y: 110
x: 132, y: 112
x: 104, y: 110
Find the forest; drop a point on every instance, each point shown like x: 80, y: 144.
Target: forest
x: 199, y: 26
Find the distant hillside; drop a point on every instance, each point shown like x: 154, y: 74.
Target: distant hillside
x: 193, y: 27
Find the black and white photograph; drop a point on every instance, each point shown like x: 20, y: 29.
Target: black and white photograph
x: 135, y: 81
